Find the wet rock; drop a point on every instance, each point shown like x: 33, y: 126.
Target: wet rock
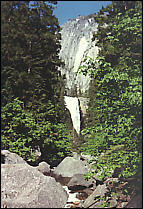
x: 82, y: 195
x: 71, y: 197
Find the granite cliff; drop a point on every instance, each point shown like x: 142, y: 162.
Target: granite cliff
x: 76, y: 43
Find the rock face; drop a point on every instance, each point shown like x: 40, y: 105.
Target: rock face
x: 91, y: 202
x: 23, y: 186
x: 8, y: 157
x: 76, y: 43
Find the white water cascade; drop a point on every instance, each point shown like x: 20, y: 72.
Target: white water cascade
x: 72, y: 104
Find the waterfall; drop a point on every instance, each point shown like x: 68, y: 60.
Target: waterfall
x: 76, y: 44
x: 72, y: 104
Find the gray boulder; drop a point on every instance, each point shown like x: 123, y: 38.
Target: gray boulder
x: 8, y: 157
x: 93, y: 200
x: 68, y: 168
x: 78, y: 182
x: 23, y: 186
x: 44, y: 168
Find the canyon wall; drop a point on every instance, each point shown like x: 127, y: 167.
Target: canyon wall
x: 76, y: 43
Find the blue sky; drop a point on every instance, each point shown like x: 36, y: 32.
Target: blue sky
x: 70, y: 9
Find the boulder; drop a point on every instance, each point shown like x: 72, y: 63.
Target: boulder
x: 8, y: 157
x: 68, y: 168
x: 23, y: 186
x: 78, y: 182
x: 44, y: 168
x: 93, y: 200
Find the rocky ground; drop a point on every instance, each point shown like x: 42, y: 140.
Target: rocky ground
x: 61, y: 187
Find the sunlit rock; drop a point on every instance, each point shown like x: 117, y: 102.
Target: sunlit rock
x: 76, y: 43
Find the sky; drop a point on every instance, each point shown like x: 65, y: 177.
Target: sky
x: 71, y: 9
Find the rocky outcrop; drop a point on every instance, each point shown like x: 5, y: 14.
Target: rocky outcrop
x: 91, y: 201
x: 76, y: 43
x: 71, y: 198
x: 23, y: 186
x: 8, y: 157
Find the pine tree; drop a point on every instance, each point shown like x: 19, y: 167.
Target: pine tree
x: 30, y: 46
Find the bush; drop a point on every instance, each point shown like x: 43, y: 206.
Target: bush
x: 22, y: 132
x: 116, y: 118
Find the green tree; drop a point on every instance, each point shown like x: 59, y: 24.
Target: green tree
x: 30, y: 46
x: 31, y: 81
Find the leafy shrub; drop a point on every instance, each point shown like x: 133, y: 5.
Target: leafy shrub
x: 18, y: 128
x: 22, y: 132
x: 116, y: 105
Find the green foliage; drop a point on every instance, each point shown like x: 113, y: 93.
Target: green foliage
x: 31, y: 84
x: 30, y: 47
x: 22, y: 133
x: 17, y: 129
x: 115, y: 103
x: 61, y: 145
